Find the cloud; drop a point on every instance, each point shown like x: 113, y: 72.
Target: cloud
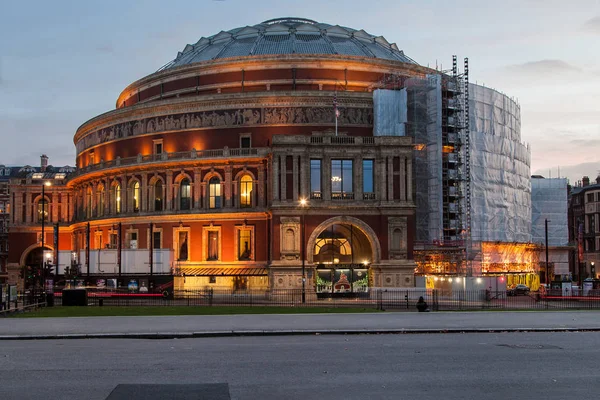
x: 592, y: 25
x: 543, y: 67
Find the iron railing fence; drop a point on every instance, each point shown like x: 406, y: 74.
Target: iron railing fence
x: 376, y: 298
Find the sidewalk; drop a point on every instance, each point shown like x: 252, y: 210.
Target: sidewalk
x: 258, y: 325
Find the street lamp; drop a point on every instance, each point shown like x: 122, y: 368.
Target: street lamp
x: 303, y: 203
x: 43, y: 214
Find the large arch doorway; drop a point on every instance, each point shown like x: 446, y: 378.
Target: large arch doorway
x: 33, y: 267
x: 342, y: 254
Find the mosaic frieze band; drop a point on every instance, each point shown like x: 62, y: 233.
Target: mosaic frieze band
x: 229, y: 119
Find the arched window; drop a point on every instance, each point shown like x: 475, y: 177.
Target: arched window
x: 214, y: 193
x: 136, y: 197
x: 184, y: 194
x: 89, y: 198
x: 100, y: 202
x: 116, y: 199
x: 246, y: 191
x: 43, y: 210
x: 158, y: 196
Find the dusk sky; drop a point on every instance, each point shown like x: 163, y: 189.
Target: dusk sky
x: 64, y: 62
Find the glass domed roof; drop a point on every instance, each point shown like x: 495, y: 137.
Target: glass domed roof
x: 288, y: 36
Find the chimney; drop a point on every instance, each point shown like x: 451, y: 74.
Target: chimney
x: 44, y: 162
x: 585, y: 180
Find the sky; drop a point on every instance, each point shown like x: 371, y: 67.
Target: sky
x: 64, y: 62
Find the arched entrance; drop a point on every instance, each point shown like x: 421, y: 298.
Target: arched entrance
x: 342, y: 250
x: 31, y: 261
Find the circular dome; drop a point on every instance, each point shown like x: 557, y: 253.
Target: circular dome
x: 289, y: 36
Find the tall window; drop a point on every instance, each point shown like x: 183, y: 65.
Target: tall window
x: 100, y: 201
x: 156, y: 240
x: 136, y: 197
x: 183, y: 253
x: 214, y: 193
x: 246, y: 191
x: 368, y: 179
x: 213, y: 246
x: 244, y: 244
x: 158, y: 196
x: 315, y: 179
x: 184, y: 194
x: 117, y: 198
x: 42, y: 210
x: 341, y: 179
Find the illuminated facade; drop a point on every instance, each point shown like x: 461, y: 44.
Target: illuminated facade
x: 247, y: 160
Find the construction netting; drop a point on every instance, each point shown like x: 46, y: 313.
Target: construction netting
x: 549, y: 202
x: 389, y: 109
x: 500, y: 169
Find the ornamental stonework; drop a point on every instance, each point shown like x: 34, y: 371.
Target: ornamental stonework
x: 243, y: 117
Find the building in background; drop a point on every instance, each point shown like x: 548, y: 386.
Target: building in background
x: 549, y: 220
x: 584, y: 227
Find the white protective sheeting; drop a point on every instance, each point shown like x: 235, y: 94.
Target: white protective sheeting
x: 549, y: 202
x: 500, y: 169
x: 389, y: 110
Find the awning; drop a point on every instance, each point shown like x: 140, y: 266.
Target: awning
x: 224, y: 271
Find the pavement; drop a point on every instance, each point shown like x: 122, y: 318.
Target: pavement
x: 187, y: 326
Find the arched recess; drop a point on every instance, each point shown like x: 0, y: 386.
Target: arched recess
x: 157, y: 192
x: 345, y: 220
x: 32, y: 248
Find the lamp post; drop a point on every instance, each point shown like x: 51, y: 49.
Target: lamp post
x: 43, y: 214
x: 547, y: 268
x: 303, y: 203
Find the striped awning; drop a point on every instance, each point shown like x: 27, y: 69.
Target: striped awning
x: 216, y: 271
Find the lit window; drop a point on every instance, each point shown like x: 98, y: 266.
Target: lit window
x: 184, y: 195
x: 38, y: 175
x: 43, y: 210
x: 246, y: 191
x: 117, y: 198
x: 136, y: 197
x: 214, y: 193
x: 244, y: 244
x: 213, y: 246
x: 341, y: 179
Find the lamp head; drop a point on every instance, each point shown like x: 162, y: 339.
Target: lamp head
x: 303, y: 202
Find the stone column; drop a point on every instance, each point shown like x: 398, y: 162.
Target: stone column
x: 295, y: 178
x: 169, y: 186
x: 28, y: 208
x: 144, y: 193
x: 380, y: 183
x: 54, y: 207
x: 409, y: 194
x: 402, y: 178
x: 94, y: 199
x: 326, y: 177
x: 197, y: 188
x: 275, y: 177
x: 227, y: 186
x: 17, y: 208
x: 124, y: 194
x: 357, y: 175
x: 283, y: 181
x: 71, y: 201
x: 107, y: 196
x: 261, y: 186
x: 390, y: 178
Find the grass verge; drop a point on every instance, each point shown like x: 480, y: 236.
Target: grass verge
x: 180, y: 310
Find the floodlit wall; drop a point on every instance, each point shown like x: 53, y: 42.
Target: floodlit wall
x: 549, y: 201
x: 500, y: 169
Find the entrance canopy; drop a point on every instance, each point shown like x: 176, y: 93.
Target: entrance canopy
x: 225, y: 271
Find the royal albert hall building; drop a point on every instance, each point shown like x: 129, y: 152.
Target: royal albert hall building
x: 228, y: 168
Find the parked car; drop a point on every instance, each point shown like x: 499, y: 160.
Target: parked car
x: 516, y: 290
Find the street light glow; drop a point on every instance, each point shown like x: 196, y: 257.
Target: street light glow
x: 303, y: 202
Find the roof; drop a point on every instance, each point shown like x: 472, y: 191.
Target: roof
x: 288, y: 36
